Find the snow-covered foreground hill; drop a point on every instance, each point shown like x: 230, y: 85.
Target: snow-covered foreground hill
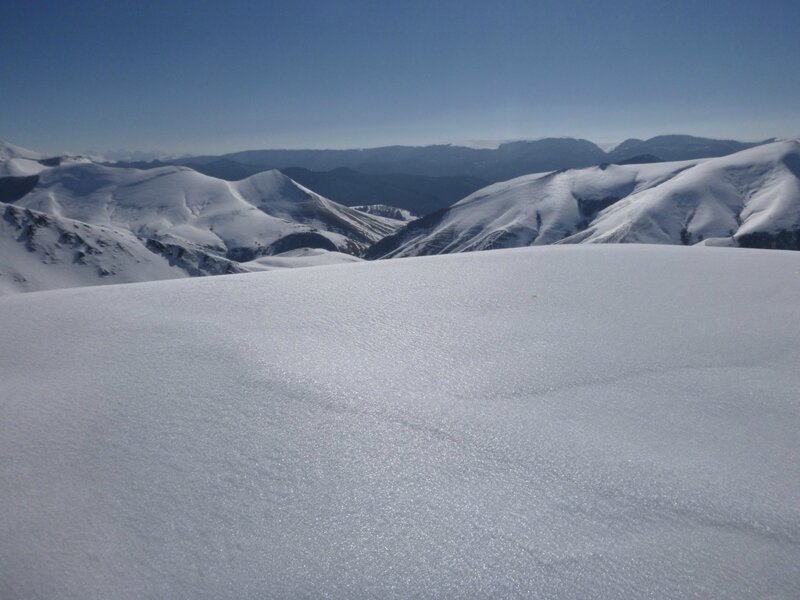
x: 751, y: 198
x: 560, y: 422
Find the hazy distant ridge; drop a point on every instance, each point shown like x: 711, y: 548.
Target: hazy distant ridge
x: 508, y: 160
x: 424, y: 179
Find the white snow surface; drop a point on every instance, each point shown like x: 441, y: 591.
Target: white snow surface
x: 41, y: 252
x: 302, y: 257
x: 562, y: 422
x: 20, y: 167
x: 18, y: 162
x: 755, y: 190
x: 21, y: 162
x: 12, y: 151
x: 393, y: 213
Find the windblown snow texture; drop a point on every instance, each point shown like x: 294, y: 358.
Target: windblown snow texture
x: 561, y: 422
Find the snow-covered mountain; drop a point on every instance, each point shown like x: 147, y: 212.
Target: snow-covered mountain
x: 563, y: 422
x: 170, y: 221
x: 173, y: 221
x: 750, y: 198
x: 677, y: 147
x: 389, y: 212
x: 263, y: 214
x: 19, y: 162
x: 428, y: 178
x: 301, y: 257
x: 13, y: 152
x: 40, y: 251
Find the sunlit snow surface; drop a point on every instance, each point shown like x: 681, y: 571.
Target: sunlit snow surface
x: 561, y: 422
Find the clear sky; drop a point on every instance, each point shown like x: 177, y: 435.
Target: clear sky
x: 209, y: 77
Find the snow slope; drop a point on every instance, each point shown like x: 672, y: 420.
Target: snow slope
x: 726, y: 200
x: 263, y: 214
x: 560, y: 422
x: 386, y: 211
x: 11, y: 151
x: 302, y: 257
x: 747, y: 198
x: 171, y: 222
x: 40, y: 252
x: 20, y: 162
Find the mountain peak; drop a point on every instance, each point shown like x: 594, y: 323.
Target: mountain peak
x: 9, y: 151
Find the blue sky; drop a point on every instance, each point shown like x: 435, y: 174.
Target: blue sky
x: 212, y: 77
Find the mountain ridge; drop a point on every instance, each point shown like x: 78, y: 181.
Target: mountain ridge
x: 173, y: 221
x: 76, y: 222
x: 382, y: 159
x: 424, y: 179
x: 748, y: 198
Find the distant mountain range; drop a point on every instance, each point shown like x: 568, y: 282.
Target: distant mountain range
x: 677, y: 147
x: 750, y: 198
x: 508, y: 160
x: 68, y: 221
x: 427, y: 178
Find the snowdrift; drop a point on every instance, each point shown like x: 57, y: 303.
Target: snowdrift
x: 560, y: 422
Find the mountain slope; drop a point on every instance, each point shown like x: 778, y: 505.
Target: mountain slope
x: 40, y: 251
x: 302, y: 257
x: 16, y: 162
x: 11, y: 151
x: 387, y: 212
x: 96, y: 224
x: 263, y: 214
x: 750, y: 198
x: 560, y: 422
x: 418, y: 193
